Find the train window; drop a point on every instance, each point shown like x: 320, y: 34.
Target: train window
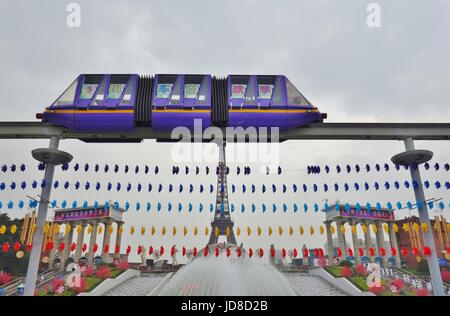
x: 203, y: 92
x: 266, y: 86
x: 126, y: 100
x: 89, y: 86
x: 278, y: 92
x: 192, y: 86
x: 163, y: 90
x: 239, y: 86
x: 116, y: 86
x: 68, y: 95
x: 294, y: 96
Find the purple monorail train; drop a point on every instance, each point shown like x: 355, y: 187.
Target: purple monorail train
x: 120, y: 103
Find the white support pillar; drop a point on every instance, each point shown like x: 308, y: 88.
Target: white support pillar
x: 80, y: 239
x: 92, y: 241
x: 355, y: 245
x: 118, y: 240
x: 394, y: 244
x: 368, y: 240
x: 106, y: 241
x: 66, y: 252
x: 330, y: 247
x: 380, y: 242
x: 341, y: 238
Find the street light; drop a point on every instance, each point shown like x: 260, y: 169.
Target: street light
x: 51, y: 157
x: 413, y: 158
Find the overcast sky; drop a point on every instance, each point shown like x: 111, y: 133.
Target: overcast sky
x: 399, y: 72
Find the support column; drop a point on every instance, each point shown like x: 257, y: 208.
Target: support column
x: 66, y: 252
x: 435, y: 273
x: 118, y: 240
x: 35, y: 255
x: 341, y: 238
x: 394, y: 244
x: 80, y: 239
x: 56, y: 240
x: 106, y: 240
x: 368, y: 240
x: 380, y: 242
x: 92, y: 241
x: 330, y: 247
x: 355, y: 245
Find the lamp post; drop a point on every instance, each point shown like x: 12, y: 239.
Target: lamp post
x: 413, y: 158
x: 51, y: 157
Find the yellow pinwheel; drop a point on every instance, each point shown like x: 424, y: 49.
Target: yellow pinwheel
x: 153, y: 230
x: 110, y: 229
x: 291, y: 230
x: 238, y: 231
x: 280, y: 230
x: 301, y: 230
x: 259, y: 231
x: 185, y: 230
x: 90, y: 229
x: 353, y: 229
x: 216, y: 231
x: 100, y: 229
x: 395, y: 228
x: 332, y: 229
x: 206, y: 231
x: 163, y: 230
x: 311, y: 230
x: 78, y: 229
x: 46, y: 228
x: 132, y: 229
x: 342, y: 229
x: 227, y: 232
x: 416, y: 227
x: 374, y: 228
x: 249, y: 231
x: 120, y: 230
x: 195, y: 231
x: 386, y: 228
x: 321, y: 230
x: 68, y: 229
x: 174, y: 231
x: 424, y: 227
x: 142, y: 230
x: 13, y: 229
x: 270, y: 231
x: 2, y: 229
x: 405, y: 227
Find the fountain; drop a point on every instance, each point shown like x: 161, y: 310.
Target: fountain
x: 227, y: 276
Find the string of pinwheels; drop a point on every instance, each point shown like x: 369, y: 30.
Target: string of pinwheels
x: 249, y: 188
x: 438, y: 205
x: 315, y: 169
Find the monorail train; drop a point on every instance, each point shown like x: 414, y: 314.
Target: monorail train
x: 120, y: 103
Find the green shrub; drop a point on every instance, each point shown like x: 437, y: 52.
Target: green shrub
x: 345, y: 263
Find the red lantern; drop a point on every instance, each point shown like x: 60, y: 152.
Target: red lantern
x: 5, y: 247
x: 161, y: 250
x: 316, y: 252
x: 217, y: 251
x: 84, y: 248
x: 28, y: 248
x: 95, y: 248
x: 139, y: 250
x: 426, y: 251
x: 339, y: 252
x: 272, y: 252
x: 49, y: 246
x: 283, y: 253
x: 239, y: 252
x: 205, y: 252
x: 228, y: 252
x: 393, y: 251
x: 16, y: 246
x: 448, y: 250
x: 294, y: 253
x: 371, y: 252
x: 350, y: 252
x: 404, y: 251
x: 382, y: 252
x: 305, y: 253
x: 194, y: 253
x: 61, y: 246
x: 73, y: 246
x: 250, y: 252
x: 128, y: 250
x: 183, y: 251
x: 106, y: 248
x: 361, y: 252
x: 415, y: 251
x: 117, y: 249
x: 150, y: 251
x: 172, y: 251
x: 261, y: 252
x: 321, y: 254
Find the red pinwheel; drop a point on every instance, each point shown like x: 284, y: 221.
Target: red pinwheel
x: 106, y: 250
x: 183, y: 251
x: 205, y: 252
x: 350, y: 252
x: 217, y: 251
x: 73, y: 246
x: 415, y: 251
x: 294, y: 253
x: 283, y: 253
x: 117, y: 249
x: 272, y: 252
x: 361, y: 252
x: 128, y: 249
x: 316, y: 252
x: 371, y: 252
x: 426, y: 251
x: 194, y: 253
x: 382, y: 252
x: 172, y: 251
x: 393, y: 251
x: 448, y: 250
x: 250, y: 252
x: 404, y: 251
x: 83, y: 248
x: 95, y: 248
x: 161, y: 250
x: 16, y: 246
x: 239, y: 252
x: 321, y: 254
x: 305, y: 252
x: 139, y: 250
x: 61, y: 246
x: 339, y: 252
x: 228, y: 252
x: 150, y: 251
x: 28, y: 247
x: 261, y: 252
x: 5, y: 247
x: 49, y: 246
